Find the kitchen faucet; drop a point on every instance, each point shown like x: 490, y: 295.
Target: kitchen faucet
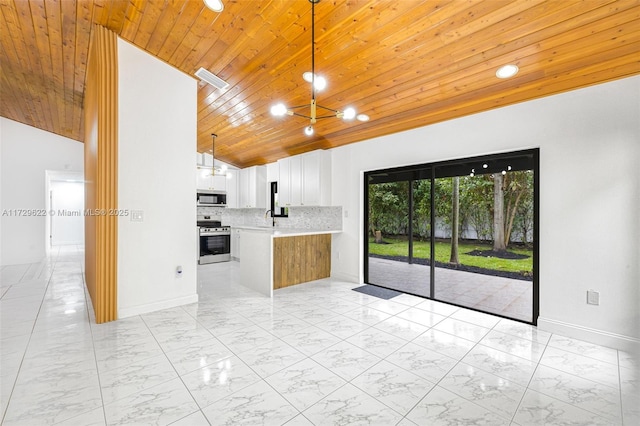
x: 273, y: 218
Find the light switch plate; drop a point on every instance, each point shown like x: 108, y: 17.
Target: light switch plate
x: 593, y: 297
x: 137, y: 215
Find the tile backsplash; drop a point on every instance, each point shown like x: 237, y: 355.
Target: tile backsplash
x: 326, y: 218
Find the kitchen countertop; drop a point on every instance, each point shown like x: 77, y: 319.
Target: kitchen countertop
x: 286, y: 232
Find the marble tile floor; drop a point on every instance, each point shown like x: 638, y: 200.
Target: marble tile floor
x: 316, y: 354
x: 502, y: 296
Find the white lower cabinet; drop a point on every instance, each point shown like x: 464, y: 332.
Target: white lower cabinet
x: 235, y: 244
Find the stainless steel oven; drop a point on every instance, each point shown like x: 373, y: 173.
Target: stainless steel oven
x: 214, y: 242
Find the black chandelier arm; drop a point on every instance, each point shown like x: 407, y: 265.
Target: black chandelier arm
x: 301, y: 115
x: 328, y: 109
x: 298, y: 107
x: 326, y: 116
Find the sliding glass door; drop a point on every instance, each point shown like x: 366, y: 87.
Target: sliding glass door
x: 463, y: 232
x: 398, y: 245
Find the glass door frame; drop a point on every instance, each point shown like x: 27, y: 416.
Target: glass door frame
x: 535, y: 157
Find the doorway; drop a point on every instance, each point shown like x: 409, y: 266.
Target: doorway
x: 463, y: 232
x: 65, y: 206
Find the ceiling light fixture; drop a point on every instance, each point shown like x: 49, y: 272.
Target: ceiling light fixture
x: 507, y: 71
x: 215, y: 5
x: 317, y: 83
x: 220, y: 170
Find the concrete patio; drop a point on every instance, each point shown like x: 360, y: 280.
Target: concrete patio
x: 503, y: 296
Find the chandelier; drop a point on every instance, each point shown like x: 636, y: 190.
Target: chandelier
x: 214, y: 170
x: 317, y: 83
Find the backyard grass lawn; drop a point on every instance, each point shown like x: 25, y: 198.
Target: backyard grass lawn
x: 399, y: 247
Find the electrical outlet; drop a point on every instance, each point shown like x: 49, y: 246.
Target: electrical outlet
x: 593, y: 297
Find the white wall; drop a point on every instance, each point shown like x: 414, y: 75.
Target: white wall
x: 67, y: 225
x: 156, y: 174
x: 589, y: 144
x: 26, y: 153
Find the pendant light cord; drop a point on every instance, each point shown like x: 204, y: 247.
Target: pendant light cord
x: 213, y: 152
x: 313, y: 50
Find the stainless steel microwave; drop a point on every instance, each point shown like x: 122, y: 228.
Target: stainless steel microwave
x: 208, y: 197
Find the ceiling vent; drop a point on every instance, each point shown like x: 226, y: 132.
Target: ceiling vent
x: 211, y: 78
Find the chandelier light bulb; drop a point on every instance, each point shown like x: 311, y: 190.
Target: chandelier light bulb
x: 308, y: 130
x: 278, y: 110
x: 349, y: 113
x: 320, y: 82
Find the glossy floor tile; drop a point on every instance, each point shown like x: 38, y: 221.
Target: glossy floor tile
x: 315, y: 354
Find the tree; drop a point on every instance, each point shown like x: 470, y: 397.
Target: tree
x: 422, y: 208
x: 476, y: 204
x: 498, y: 214
x: 516, y: 189
x: 388, y: 208
x: 455, y: 219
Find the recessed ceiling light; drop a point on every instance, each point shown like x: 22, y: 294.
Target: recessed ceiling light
x: 362, y: 117
x: 507, y: 71
x: 215, y: 5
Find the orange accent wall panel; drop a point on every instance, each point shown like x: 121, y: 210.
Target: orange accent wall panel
x: 101, y: 173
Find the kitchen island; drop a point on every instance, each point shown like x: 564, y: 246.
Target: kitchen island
x: 272, y: 258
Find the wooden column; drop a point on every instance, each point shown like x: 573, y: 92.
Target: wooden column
x: 101, y: 173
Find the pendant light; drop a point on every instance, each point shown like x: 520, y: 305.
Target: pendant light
x: 220, y: 170
x: 317, y: 83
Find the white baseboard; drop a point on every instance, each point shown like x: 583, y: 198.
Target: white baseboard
x: 345, y: 277
x: 156, y: 306
x: 591, y: 335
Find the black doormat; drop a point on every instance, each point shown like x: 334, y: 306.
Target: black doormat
x: 382, y: 293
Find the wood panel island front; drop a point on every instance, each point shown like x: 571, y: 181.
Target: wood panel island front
x: 277, y: 258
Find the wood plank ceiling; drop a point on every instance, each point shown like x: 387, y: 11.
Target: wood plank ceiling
x: 405, y: 63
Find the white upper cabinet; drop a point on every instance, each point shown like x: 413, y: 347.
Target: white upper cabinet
x: 305, y: 180
x: 232, y: 188
x: 272, y: 172
x: 284, y: 182
x: 252, y: 187
x: 204, y: 180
